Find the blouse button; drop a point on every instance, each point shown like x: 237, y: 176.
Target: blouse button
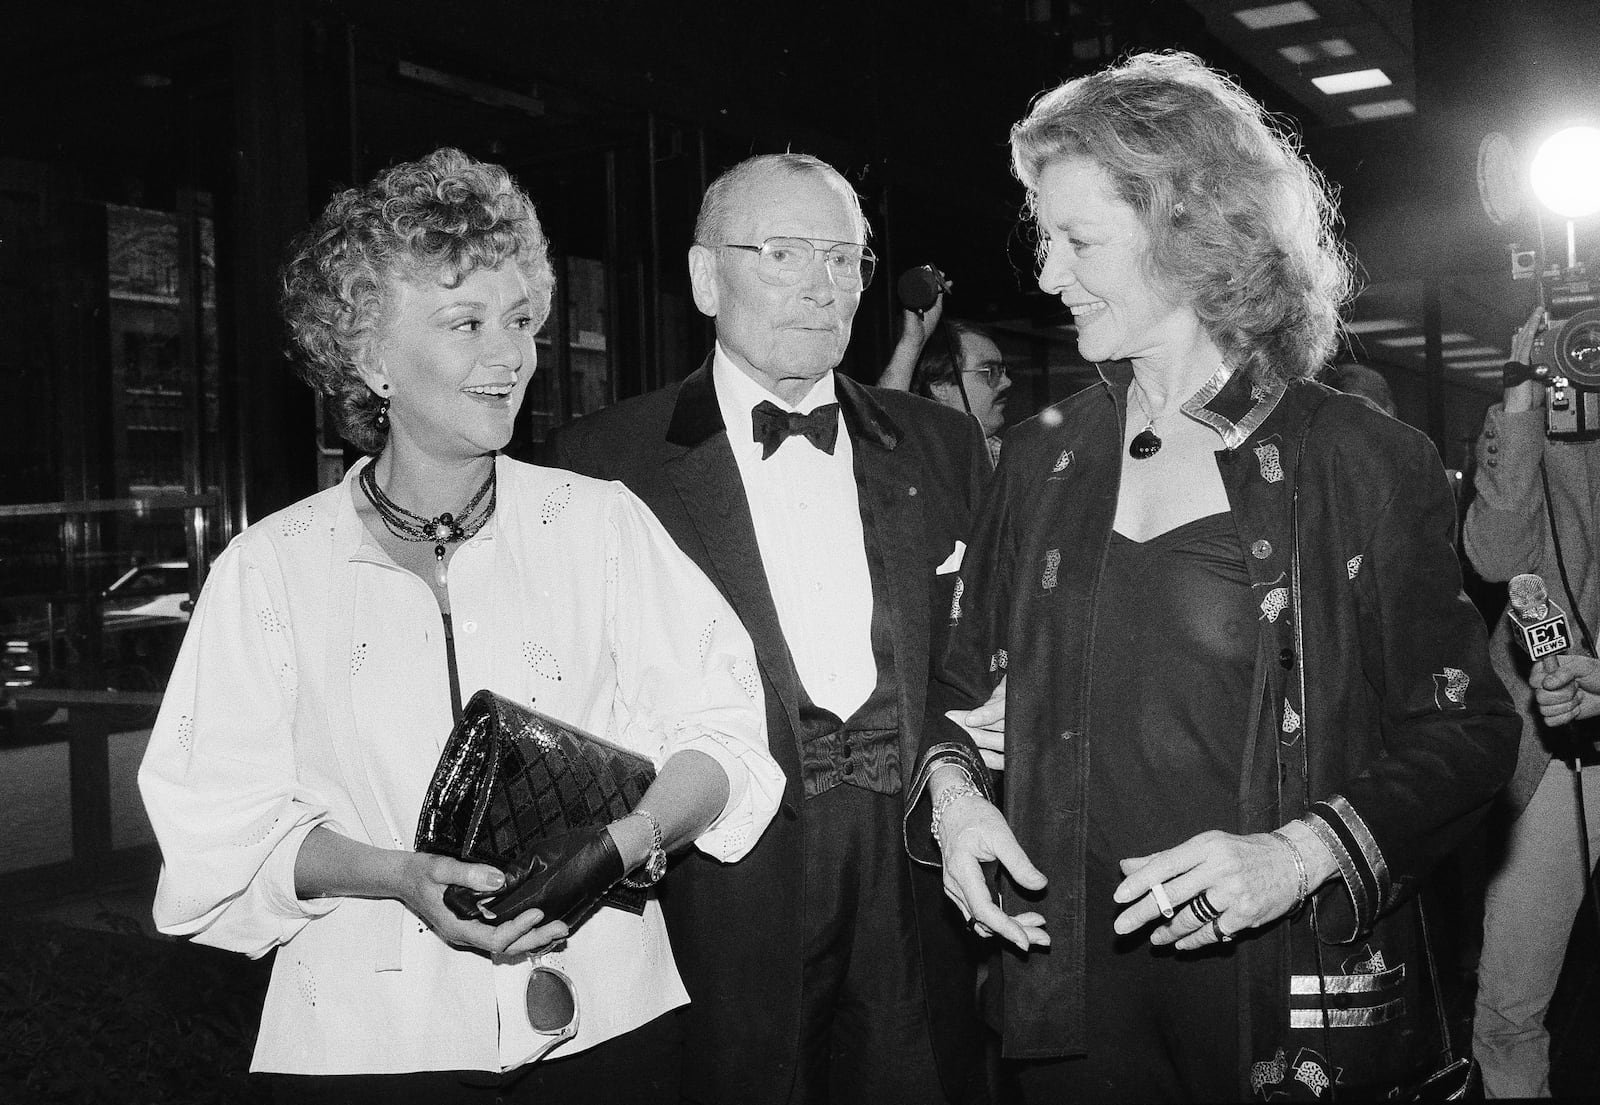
x: 469, y: 627
x: 1286, y: 657
x: 1261, y: 549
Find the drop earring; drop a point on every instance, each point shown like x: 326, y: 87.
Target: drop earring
x: 383, y: 413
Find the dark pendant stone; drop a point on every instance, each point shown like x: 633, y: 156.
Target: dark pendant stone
x: 1145, y: 444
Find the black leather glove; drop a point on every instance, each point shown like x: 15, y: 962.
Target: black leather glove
x: 562, y: 875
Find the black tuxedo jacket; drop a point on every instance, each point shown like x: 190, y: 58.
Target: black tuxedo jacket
x: 735, y: 928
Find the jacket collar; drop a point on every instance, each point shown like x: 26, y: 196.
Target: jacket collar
x: 1230, y: 402
x: 696, y: 415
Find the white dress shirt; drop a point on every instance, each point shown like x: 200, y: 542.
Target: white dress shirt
x: 312, y: 689
x: 807, y: 518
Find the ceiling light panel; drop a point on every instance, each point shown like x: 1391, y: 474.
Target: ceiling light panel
x: 1275, y: 15
x: 1356, y: 80
x: 1382, y: 109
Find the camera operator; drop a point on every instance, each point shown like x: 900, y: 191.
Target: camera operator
x: 1535, y: 511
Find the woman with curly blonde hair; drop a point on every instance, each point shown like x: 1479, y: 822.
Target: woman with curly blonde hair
x: 1249, y: 706
x: 329, y: 654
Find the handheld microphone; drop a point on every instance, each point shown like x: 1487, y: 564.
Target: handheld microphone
x: 920, y: 288
x: 1540, y: 624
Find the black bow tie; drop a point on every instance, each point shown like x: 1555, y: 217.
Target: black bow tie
x: 771, y: 425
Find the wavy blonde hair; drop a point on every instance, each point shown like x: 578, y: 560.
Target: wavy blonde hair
x: 1241, y: 226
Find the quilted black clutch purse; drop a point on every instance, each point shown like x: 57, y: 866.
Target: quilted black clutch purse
x: 510, y: 779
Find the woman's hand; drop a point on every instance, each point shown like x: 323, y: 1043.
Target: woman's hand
x: 1248, y: 881
x: 974, y: 833
x: 986, y: 725
x: 421, y: 884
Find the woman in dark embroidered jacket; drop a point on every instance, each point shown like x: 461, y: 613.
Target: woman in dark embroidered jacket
x: 1249, y: 706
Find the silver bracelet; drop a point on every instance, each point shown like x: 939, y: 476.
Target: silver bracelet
x: 949, y: 795
x: 1304, y: 890
x: 655, y: 861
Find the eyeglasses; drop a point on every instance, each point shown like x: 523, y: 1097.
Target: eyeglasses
x: 995, y: 371
x: 552, y: 1003
x: 783, y: 261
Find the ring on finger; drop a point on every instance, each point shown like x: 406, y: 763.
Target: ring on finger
x: 1204, y: 911
x: 1223, y: 937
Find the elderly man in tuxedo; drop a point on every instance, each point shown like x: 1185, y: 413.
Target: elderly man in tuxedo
x: 825, y: 967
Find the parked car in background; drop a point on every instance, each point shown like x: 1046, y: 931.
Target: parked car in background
x: 143, y: 617
x: 136, y: 625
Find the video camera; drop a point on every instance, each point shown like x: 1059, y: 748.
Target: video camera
x: 1566, y: 351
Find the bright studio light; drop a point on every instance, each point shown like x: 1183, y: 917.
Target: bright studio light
x: 1566, y: 172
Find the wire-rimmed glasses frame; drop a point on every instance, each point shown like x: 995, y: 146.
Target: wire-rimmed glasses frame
x: 783, y: 261
x: 993, y: 372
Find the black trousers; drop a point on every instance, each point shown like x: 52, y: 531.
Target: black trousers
x: 864, y: 1034
x: 639, y: 1066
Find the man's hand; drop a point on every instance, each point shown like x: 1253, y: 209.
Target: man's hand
x: 973, y: 833
x: 916, y: 327
x: 1528, y: 395
x: 987, y: 727
x: 1566, y: 687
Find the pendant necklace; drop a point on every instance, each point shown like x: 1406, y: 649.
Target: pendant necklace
x: 1146, y: 443
x: 446, y: 529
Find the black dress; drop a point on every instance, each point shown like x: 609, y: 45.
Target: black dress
x: 1173, y: 654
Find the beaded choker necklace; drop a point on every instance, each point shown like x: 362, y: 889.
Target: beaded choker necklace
x: 446, y: 529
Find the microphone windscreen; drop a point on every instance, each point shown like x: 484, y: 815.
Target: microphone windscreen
x: 919, y: 288
x: 1530, y: 601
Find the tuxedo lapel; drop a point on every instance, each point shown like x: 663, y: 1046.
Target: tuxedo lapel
x: 888, y: 470
x: 706, y: 478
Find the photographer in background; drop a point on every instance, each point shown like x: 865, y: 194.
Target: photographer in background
x: 961, y: 367
x: 1536, y: 511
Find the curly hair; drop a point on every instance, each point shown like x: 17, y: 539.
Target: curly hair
x: 446, y: 216
x: 1240, y: 225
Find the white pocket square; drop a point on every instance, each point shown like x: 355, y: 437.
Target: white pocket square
x: 952, y: 563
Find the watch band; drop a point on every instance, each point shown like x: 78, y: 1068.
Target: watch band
x: 655, y: 863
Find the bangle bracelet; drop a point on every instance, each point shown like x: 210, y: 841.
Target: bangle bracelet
x: 1303, y: 891
x: 950, y: 794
